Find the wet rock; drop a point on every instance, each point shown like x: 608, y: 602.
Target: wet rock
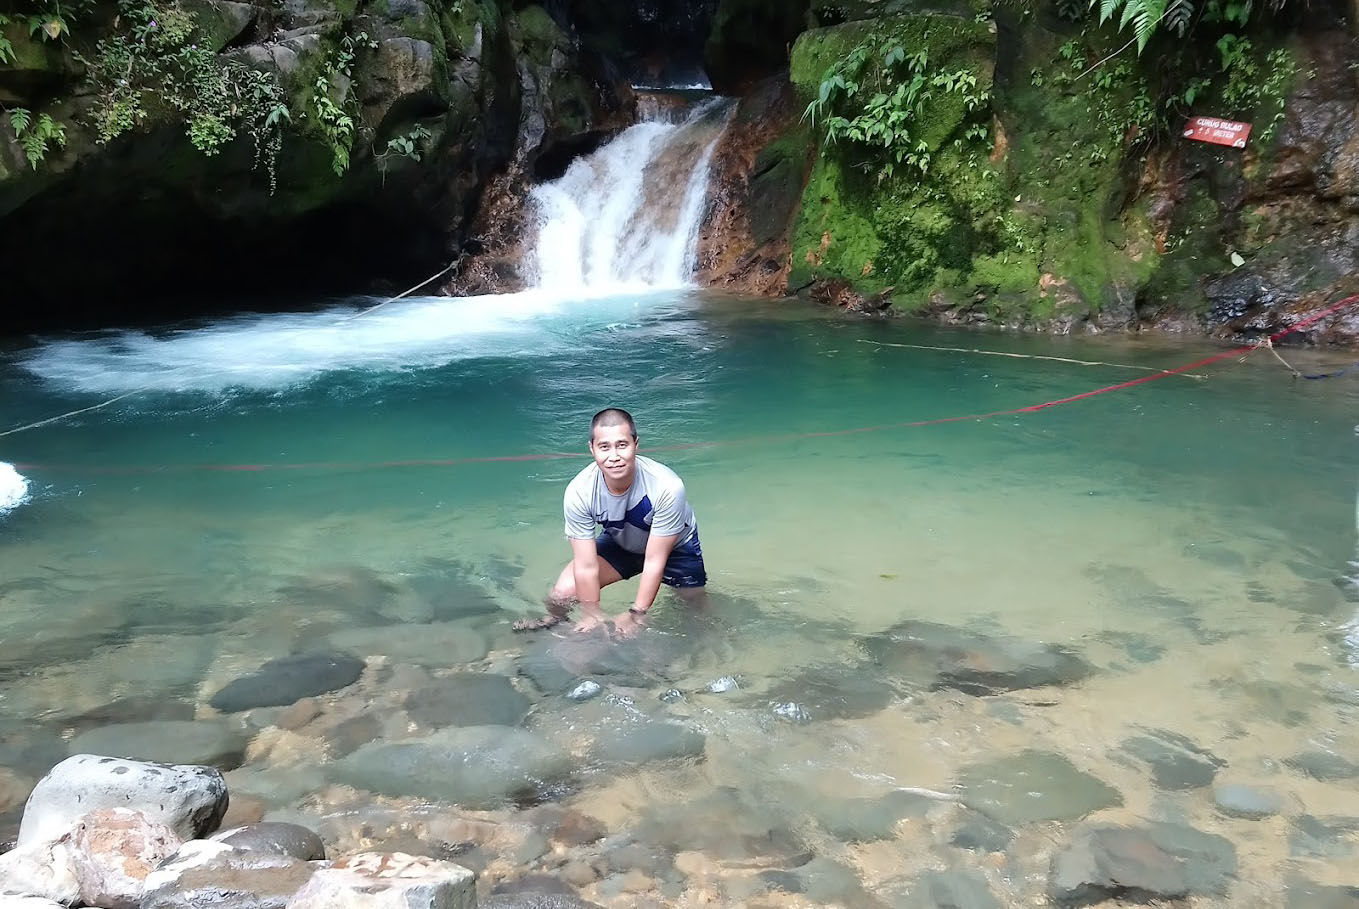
x: 373, y: 880
x: 1176, y: 762
x: 939, y: 656
x: 1303, y: 894
x: 1324, y: 765
x: 349, y: 734
x: 534, y: 884
x: 298, y: 715
x: 1250, y: 802
x: 1330, y: 837
x: 206, y: 873
x: 568, y: 826
x: 722, y: 686
x: 14, y: 790
x: 189, y: 800
x: 783, y: 881
x: 467, y: 699
x: 584, y: 691
x: 275, y: 838
x: 1160, y: 861
x: 834, y: 692
x: 281, y: 682
x: 644, y: 742
x: 45, y: 869
x: 130, y: 710
x: 474, y: 766
x: 672, y: 695
x: 113, y: 850
x: 867, y: 819
x: 644, y: 857
x: 556, y: 664
x: 536, y: 901
x: 791, y: 711
x: 730, y: 822
x: 826, y: 881
x: 982, y: 834
x: 948, y: 890
x: 167, y: 742
x: 29, y: 748
x: 1034, y: 786
x: 435, y: 644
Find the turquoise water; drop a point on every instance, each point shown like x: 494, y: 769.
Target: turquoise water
x: 1190, y: 539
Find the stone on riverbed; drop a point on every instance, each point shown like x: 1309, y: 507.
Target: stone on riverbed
x: 1144, y: 864
x: 938, y: 656
x: 867, y: 819
x: 275, y: 838
x: 434, y: 644
x: 209, y: 743
x: 113, y: 851
x: 280, y: 682
x: 1176, y: 762
x: 584, y: 691
x: 647, y: 741
x: 1034, y: 786
x: 373, y: 880
x: 189, y: 800
x: 473, y: 766
x: 947, y: 890
x: 1249, y: 802
x: 205, y: 873
x: 834, y: 692
x: 467, y: 699
x: 536, y: 901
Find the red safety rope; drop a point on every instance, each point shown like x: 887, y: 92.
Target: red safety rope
x: 789, y: 437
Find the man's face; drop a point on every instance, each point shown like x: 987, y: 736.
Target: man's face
x: 615, y: 451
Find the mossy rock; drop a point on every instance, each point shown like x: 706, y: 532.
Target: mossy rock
x: 750, y: 38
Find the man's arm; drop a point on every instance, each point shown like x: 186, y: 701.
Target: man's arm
x: 653, y: 567
x: 585, y: 568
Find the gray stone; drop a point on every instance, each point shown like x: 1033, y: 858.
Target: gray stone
x: 791, y: 711
x: 189, y: 800
x: 584, y: 691
x: 982, y: 834
x: 535, y: 884
x: 1324, y: 765
x: 826, y: 881
x: 131, y: 710
x: 536, y: 901
x: 835, y: 692
x: 347, y: 735
x: 468, y: 699
x: 1034, y: 786
x: 1314, y: 837
x: 437, y: 644
x: 374, y: 880
x: 1252, y: 803
x: 473, y: 766
x: 948, y: 890
x: 1160, y: 861
x: 938, y: 656
x: 784, y: 881
x: 867, y: 819
x: 645, y: 857
x: 1176, y: 762
x: 281, y: 682
x: 672, y: 695
x: 113, y: 850
x: 44, y: 869
x: 206, y: 873
x: 1304, y: 894
x: 722, y: 685
x: 168, y: 742
x: 646, y: 741
x: 275, y: 838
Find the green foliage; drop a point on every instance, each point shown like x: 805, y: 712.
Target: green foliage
x: 334, y: 117
x: 6, y: 48
x: 156, y: 67
x: 878, y: 96
x: 36, y: 137
x: 407, y: 145
x: 1145, y: 18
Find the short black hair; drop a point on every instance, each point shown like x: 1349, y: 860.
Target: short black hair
x: 613, y: 416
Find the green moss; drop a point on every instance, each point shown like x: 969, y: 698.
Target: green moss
x: 461, y: 19
x: 537, y: 35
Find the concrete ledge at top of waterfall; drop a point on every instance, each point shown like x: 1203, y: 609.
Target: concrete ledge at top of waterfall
x: 13, y: 488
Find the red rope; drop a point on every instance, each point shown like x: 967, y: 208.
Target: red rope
x: 789, y: 437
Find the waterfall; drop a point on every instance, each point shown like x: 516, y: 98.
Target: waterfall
x: 626, y: 217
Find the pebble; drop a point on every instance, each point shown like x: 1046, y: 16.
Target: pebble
x: 584, y: 691
x: 723, y: 685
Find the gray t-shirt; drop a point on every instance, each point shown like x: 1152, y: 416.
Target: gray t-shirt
x: 655, y: 504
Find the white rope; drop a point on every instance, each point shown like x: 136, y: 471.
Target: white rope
x: 1021, y: 356
x: 59, y: 418
x: 447, y: 268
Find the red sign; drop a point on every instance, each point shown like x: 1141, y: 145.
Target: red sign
x: 1218, y: 132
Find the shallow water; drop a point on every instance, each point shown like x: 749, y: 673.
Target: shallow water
x: 1188, y: 541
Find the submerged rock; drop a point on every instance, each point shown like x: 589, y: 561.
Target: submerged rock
x: 982, y: 834
x: 536, y: 901
x: 206, y: 873
x: 644, y: 742
x: 167, y: 742
x: 373, y: 880
x: 1324, y: 765
x: 584, y: 691
x: 948, y: 890
x: 867, y: 819
x: 113, y: 850
x: 834, y: 692
x: 723, y: 685
x: 1249, y: 802
x: 473, y: 766
x: 275, y: 838
x: 1034, y: 786
x: 435, y: 644
x: 189, y: 800
x: 467, y: 699
x: 938, y: 656
x: 280, y: 682
x: 1176, y: 762
x: 1156, y: 862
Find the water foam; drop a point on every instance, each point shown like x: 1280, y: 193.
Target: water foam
x: 13, y: 488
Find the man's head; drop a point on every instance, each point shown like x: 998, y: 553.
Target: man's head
x: 613, y: 442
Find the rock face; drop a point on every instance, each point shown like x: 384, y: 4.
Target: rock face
x: 188, y: 800
x: 281, y: 682
x: 113, y: 851
x: 373, y: 880
x: 206, y: 873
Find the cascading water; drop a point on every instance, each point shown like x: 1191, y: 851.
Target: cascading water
x: 627, y: 216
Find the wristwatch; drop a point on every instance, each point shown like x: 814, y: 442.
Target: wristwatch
x: 635, y: 611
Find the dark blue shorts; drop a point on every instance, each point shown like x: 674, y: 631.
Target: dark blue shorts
x: 684, y: 568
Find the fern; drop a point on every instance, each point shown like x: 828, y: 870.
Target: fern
x: 1144, y: 16
x: 1178, y: 14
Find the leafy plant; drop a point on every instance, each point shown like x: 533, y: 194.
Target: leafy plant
x: 334, y: 118
x: 36, y: 137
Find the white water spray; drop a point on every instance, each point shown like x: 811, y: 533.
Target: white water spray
x: 627, y: 217
x: 13, y: 488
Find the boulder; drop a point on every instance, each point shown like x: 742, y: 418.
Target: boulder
x: 275, y: 838
x: 213, y: 744
x: 114, y: 849
x: 206, y: 873
x: 190, y: 800
x: 44, y: 869
x: 281, y: 682
x: 373, y: 880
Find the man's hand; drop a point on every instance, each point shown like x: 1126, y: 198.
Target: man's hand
x: 591, y: 617
x: 628, y: 624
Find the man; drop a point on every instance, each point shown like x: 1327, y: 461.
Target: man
x: 648, y: 529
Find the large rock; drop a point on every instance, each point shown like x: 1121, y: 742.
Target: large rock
x: 473, y: 766
x: 1157, y: 862
x: 1034, y: 786
x: 281, y: 682
x: 114, y: 849
x: 205, y: 873
x: 189, y: 800
x: 275, y: 838
x: 372, y: 880
x: 45, y: 869
x: 647, y: 741
x: 467, y: 699
x: 167, y: 741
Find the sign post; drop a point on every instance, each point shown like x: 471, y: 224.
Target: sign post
x: 1219, y: 132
